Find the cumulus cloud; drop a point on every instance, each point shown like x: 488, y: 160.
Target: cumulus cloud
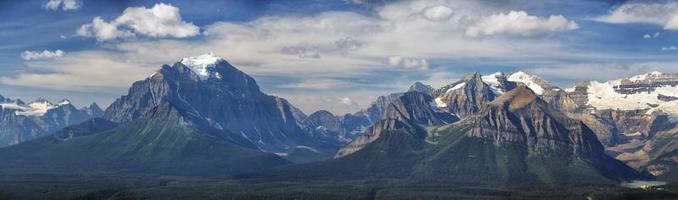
x: 519, y: 23
x: 662, y: 14
x: 63, y: 4
x: 162, y: 20
x: 102, y: 30
x: 409, y: 63
x: 437, y: 13
x: 373, y: 53
x: 45, y: 54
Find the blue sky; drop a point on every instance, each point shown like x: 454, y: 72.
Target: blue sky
x: 322, y: 54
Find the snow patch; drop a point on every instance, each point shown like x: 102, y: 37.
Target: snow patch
x: 457, y: 86
x: 439, y: 103
x: 493, y: 81
x: 64, y: 102
x: 603, y: 96
x: 643, y: 77
x: 571, y: 89
x: 202, y: 65
x: 528, y: 80
x: 307, y: 148
x: 36, y: 108
x: 13, y: 106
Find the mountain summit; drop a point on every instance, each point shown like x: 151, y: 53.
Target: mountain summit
x: 212, y: 95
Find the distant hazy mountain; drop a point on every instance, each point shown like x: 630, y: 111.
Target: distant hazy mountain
x: 21, y: 122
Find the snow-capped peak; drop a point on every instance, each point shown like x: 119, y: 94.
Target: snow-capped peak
x: 63, y: 102
x: 203, y: 65
x: 37, y: 108
x: 529, y: 80
x: 645, y: 76
x: 493, y: 81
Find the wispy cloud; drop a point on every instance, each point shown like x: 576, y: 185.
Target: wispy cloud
x: 662, y: 14
x: 669, y: 48
x: 62, y: 4
x: 318, y: 53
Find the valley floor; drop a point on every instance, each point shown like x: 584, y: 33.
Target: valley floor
x: 121, y: 186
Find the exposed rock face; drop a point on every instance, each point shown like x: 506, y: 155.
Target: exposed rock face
x: 515, y: 139
x: 579, y: 94
x: 420, y: 87
x: 412, y: 111
x: 220, y: 99
x: 646, y: 91
x: 466, y: 97
x: 357, y: 123
x: 21, y: 122
x: 93, y: 110
x: 626, y: 113
x: 323, y: 125
x: 520, y: 116
x: 560, y: 100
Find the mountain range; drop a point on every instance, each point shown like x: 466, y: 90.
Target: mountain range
x: 21, y: 122
x: 203, y: 116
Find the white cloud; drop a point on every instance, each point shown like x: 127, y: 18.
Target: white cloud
x: 317, y: 53
x: 665, y: 14
x: 162, y: 20
x: 63, y: 4
x: 519, y: 23
x: 437, y: 13
x: 650, y: 36
x: 93, y: 70
x: 669, y: 48
x: 45, y: 54
x: 346, y: 100
x: 408, y: 63
x: 103, y: 30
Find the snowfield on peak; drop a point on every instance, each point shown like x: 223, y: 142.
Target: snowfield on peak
x: 13, y: 106
x: 37, y: 108
x: 493, y: 81
x: 202, y: 65
x: 458, y: 86
x: 604, y: 96
x: 642, y: 77
x: 527, y: 79
x: 440, y: 103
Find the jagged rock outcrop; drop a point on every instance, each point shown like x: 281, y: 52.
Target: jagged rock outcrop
x: 465, y: 97
x: 324, y: 125
x: 520, y: 116
x: 412, y: 111
x: 357, y: 123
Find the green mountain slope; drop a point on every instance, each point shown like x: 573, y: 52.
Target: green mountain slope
x: 160, y: 145
x: 516, y: 140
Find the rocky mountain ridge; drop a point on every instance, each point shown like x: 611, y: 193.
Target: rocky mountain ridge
x: 21, y: 122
